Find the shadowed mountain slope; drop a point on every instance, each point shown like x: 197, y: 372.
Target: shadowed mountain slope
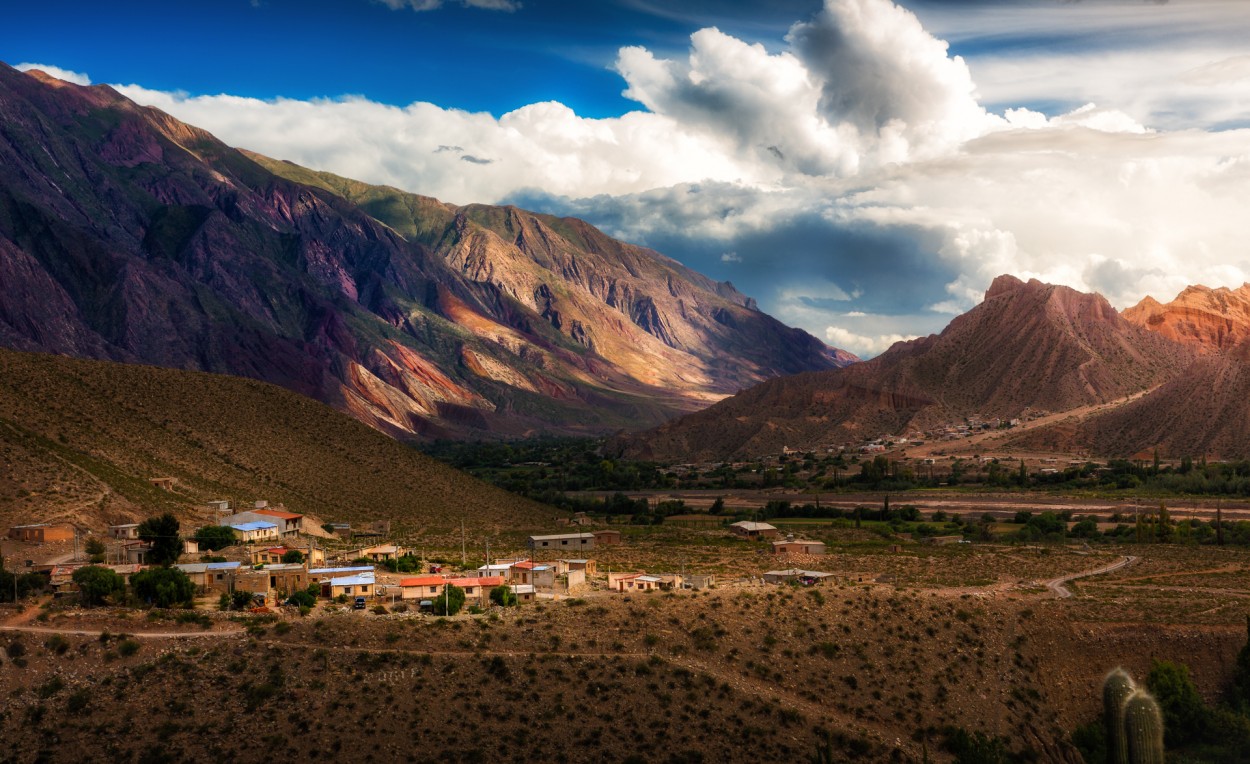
x: 128, y: 235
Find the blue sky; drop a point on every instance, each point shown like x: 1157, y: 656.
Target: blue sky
x: 863, y: 168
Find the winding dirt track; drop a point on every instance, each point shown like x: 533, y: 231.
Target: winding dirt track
x: 1056, y: 585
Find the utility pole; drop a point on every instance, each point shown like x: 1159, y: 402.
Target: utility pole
x: 463, y: 558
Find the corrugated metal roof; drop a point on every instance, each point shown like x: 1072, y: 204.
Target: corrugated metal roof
x: 331, y: 571
x: 563, y: 536
x: 423, y: 581
x: 255, y: 525
x: 361, y: 580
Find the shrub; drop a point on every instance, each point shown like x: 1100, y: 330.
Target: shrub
x: 293, y: 556
x: 214, y: 537
x: 97, y: 584
x: 15, y: 649
x: 57, y: 644
x: 302, y: 599
x: 128, y: 647
x: 450, y: 601
x: 78, y: 701
x: 163, y: 587
x: 503, y: 596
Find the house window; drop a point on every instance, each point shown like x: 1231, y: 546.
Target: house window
x: 564, y: 542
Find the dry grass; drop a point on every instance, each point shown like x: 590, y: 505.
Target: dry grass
x: 81, y: 438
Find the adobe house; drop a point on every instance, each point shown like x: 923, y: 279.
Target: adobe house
x: 633, y: 582
x: 163, y: 483
x: 562, y: 542
x: 211, y: 577
x: 41, y: 533
x: 277, y: 581
x: 798, y: 546
x: 700, y: 582
x: 752, y: 530
x: 190, y: 546
x: 523, y: 592
x: 567, y: 566
x: 607, y: 538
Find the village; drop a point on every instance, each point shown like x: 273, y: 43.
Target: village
x: 273, y: 561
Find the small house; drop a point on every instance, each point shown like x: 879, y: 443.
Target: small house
x: 289, y: 523
x: 523, y: 592
x: 540, y: 575
x: 41, y: 533
x: 586, y: 566
x: 274, y: 581
x: 752, y: 530
x: 163, y: 483
x: 136, y: 552
x: 633, y: 582
x: 212, y: 577
x: 421, y: 587
x: 256, y: 530
x: 805, y: 577
x: 562, y: 542
x: 700, y: 582
x: 358, y: 585
x: 126, y: 532
x: 798, y: 546
x: 501, y: 569
x: 190, y: 546
x: 377, y: 553
x: 607, y: 538
x: 476, y: 588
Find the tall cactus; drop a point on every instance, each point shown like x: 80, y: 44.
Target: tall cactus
x: 1116, y: 689
x: 1143, y: 725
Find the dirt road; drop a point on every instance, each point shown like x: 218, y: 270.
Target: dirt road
x: 1056, y: 585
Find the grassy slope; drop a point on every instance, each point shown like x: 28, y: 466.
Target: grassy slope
x: 81, y: 438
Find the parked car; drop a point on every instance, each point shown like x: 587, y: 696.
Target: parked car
x: 359, y: 604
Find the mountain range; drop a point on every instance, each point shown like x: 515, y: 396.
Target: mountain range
x: 1169, y: 377
x: 128, y: 235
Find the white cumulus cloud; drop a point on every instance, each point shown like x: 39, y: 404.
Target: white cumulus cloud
x: 850, y: 168
x: 78, y: 78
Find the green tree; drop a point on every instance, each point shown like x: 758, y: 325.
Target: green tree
x: 293, y: 556
x: 503, y: 596
x: 1186, y: 718
x: 163, y: 587
x: 162, y: 533
x: 1163, y: 528
x: 450, y: 601
x: 96, y: 549
x: 214, y: 537
x: 97, y: 584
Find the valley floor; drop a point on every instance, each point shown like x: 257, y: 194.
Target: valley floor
x: 883, y: 665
